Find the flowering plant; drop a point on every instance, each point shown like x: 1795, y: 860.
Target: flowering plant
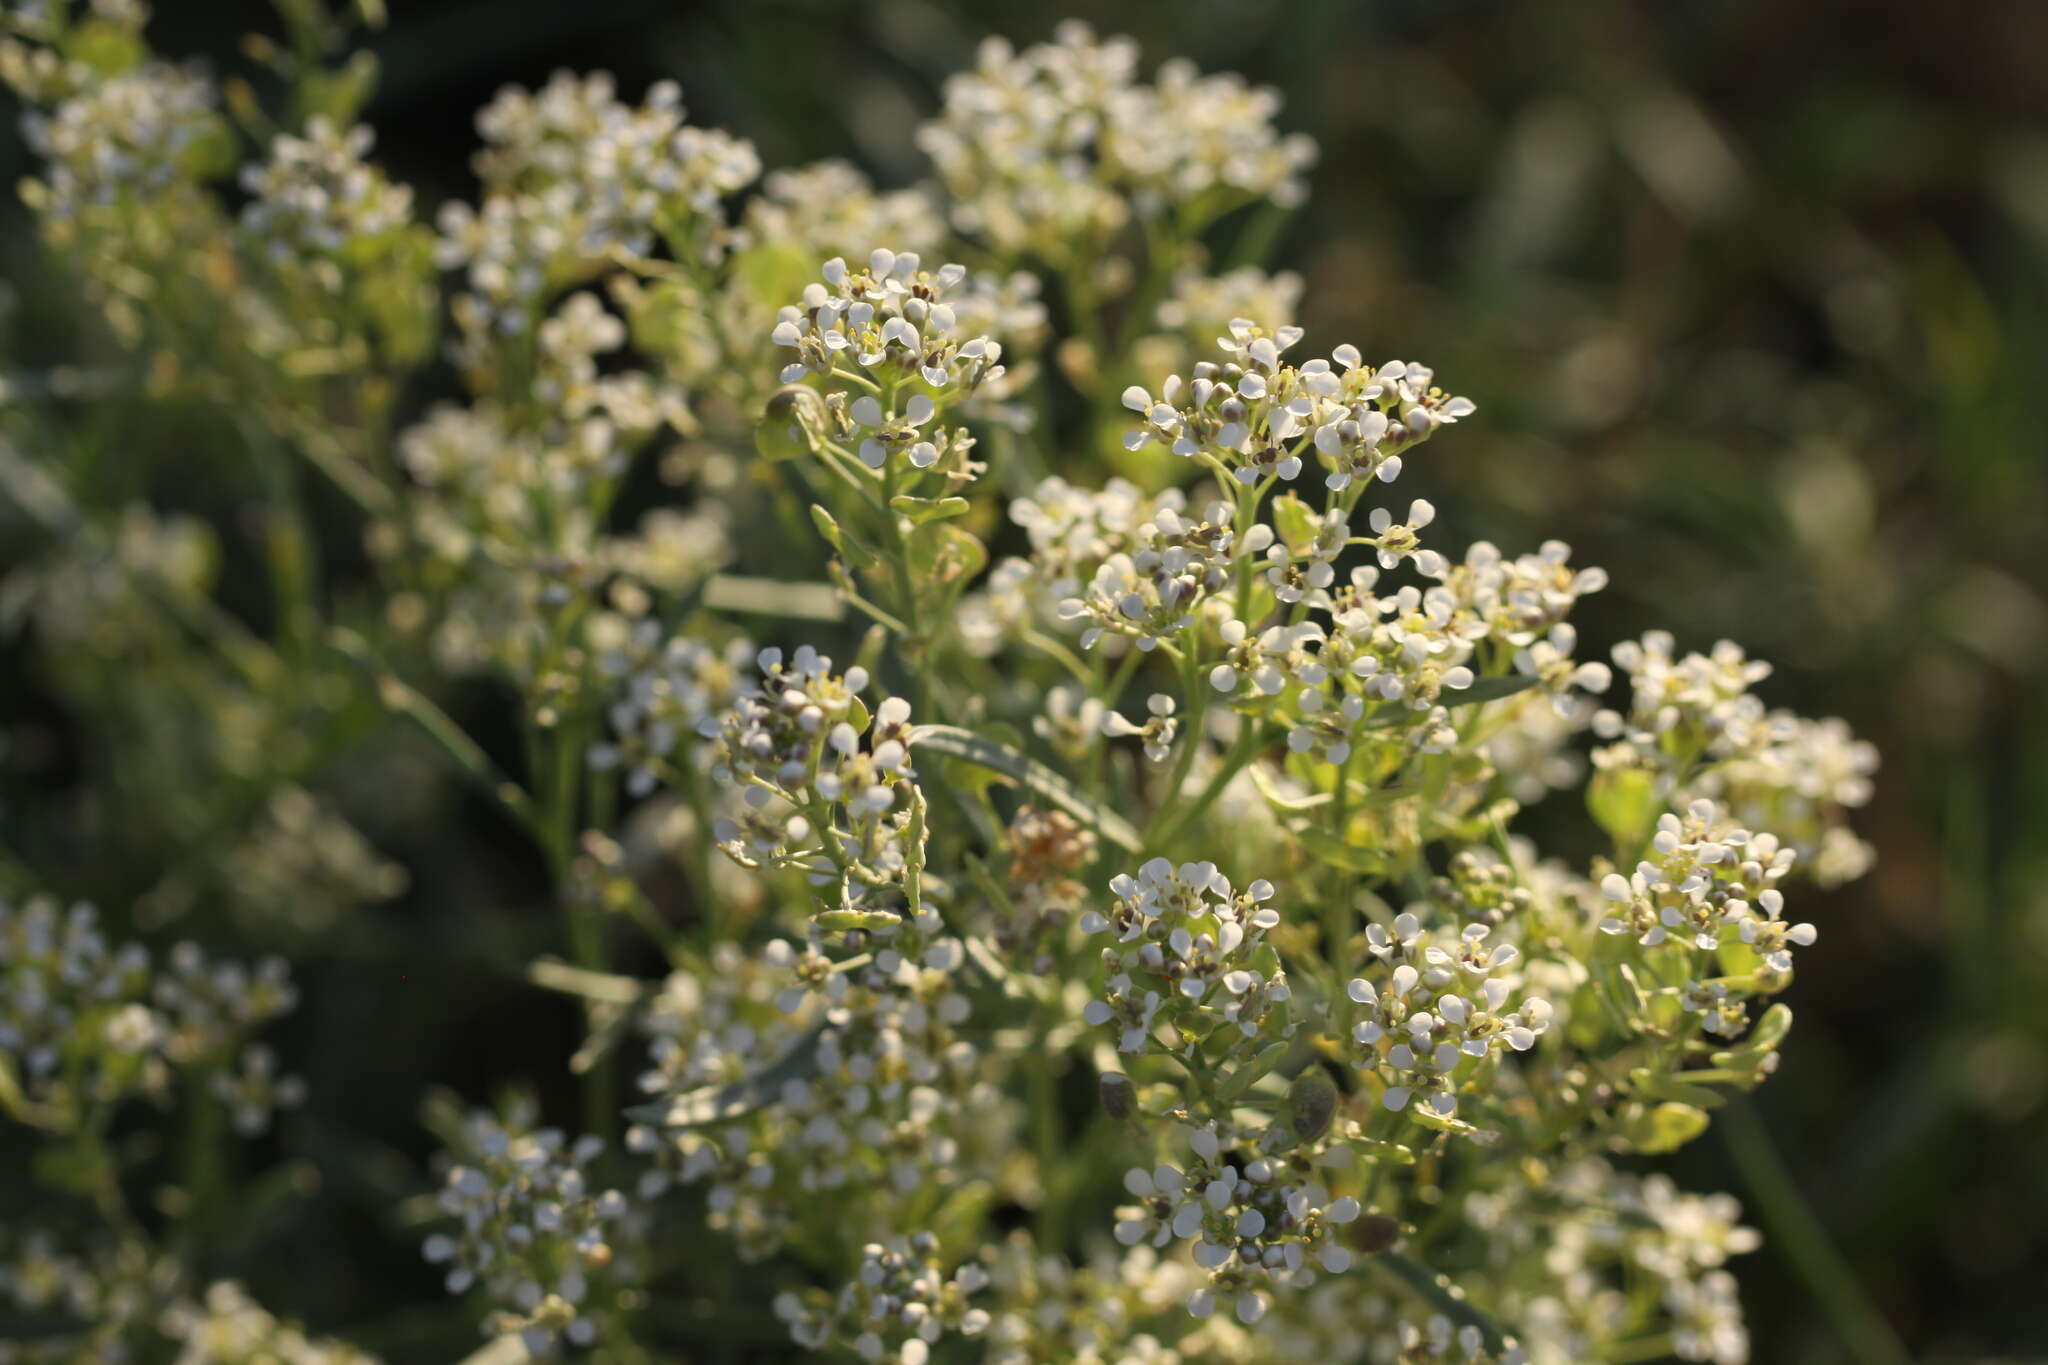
x: 1122, y: 949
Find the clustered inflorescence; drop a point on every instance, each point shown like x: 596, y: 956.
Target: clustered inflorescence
x: 1120, y: 949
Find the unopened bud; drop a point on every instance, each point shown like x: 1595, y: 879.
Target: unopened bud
x: 791, y: 423
x: 1119, y: 1096
x: 1376, y: 1232
x: 1311, y: 1104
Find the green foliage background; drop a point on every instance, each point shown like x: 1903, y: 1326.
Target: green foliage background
x: 1751, y: 296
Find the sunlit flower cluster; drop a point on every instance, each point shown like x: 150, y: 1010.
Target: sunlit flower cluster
x: 827, y: 785
x: 1052, y: 148
x: 1256, y: 417
x: 1350, y: 1036
x: 1185, y: 952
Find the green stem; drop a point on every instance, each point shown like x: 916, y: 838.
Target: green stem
x: 1196, y: 690
x: 1242, y: 752
x: 1799, y: 1234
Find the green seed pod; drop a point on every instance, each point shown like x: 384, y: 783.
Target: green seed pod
x: 1119, y: 1096
x: 791, y: 423
x: 1376, y: 1232
x: 1311, y: 1104
x: 850, y: 921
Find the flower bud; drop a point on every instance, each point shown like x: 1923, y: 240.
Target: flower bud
x: 1376, y: 1232
x: 790, y: 424
x: 1119, y: 1096
x: 1311, y: 1104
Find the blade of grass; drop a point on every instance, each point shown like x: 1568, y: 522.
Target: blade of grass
x: 1791, y: 1224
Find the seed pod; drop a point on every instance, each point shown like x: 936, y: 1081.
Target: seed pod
x: 1311, y: 1104
x: 1375, y: 1233
x: 1119, y: 1096
x: 855, y: 921
x: 791, y: 424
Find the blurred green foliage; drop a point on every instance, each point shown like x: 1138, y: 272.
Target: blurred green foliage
x: 1752, y: 298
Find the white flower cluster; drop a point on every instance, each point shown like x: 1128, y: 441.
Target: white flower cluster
x: 1057, y: 1312
x: 1255, y: 417
x: 827, y: 787
x: 896, y: 1308
x: 1694, y: 722
x: 1625, y: 1258
x: 1202, y: 305
x: 83, y: 1021
x: 533, y: 1233
x: 129, y: 1304
x: 882, y: 1096
x: 831, y: 205
x: 1418, y: 1034
x: 1189, y: 951
x: 1072, y: 532
x: 1703, y: 874
x: 871, y: 333
x: 572, y: 172
x: 669, y: 691
x: 227, y: 1327
x: 1150, y: 592
x: 303, y: 865
x: 123, y: 139
x: 1451, y: 1029
x: 317, y: 194
x: 1253, y: 1223
x: 1052, y: 149
x: 1440, y: 1339
x: 112, y: 1290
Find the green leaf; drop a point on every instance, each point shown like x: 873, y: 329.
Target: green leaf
x: 1749, y: 1055
x: 1438, y: 1291
x: 792, y: 600
x: 1678, y: 1086
x: 12, y: 1100
x: 846, y: 921
x: 1030, y: 773
x: 1369, y: 862
x: 1296, y: 523
x: 945, y: 559
x: 1378, y: 1149
x: 1490, y: 689
x: 923, y: 510
x: 1770, y: 1030
x: 1262, y: 778
x: 605, y: 988
x: 913, y: 857
x: 1663, y: 1128
x: 1252, y: 1071
x: 718, y: 1103
x: 1623, y: 802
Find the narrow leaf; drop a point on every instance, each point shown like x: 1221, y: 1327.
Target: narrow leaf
x: 1029, y: 772
x: 1371, y: 862
x: 604, y: 988
x: 922, y: 510
x: 1491, y: 689
x: 717, y: 1103
x: 1442, y: 1295
x: 796, y: 601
